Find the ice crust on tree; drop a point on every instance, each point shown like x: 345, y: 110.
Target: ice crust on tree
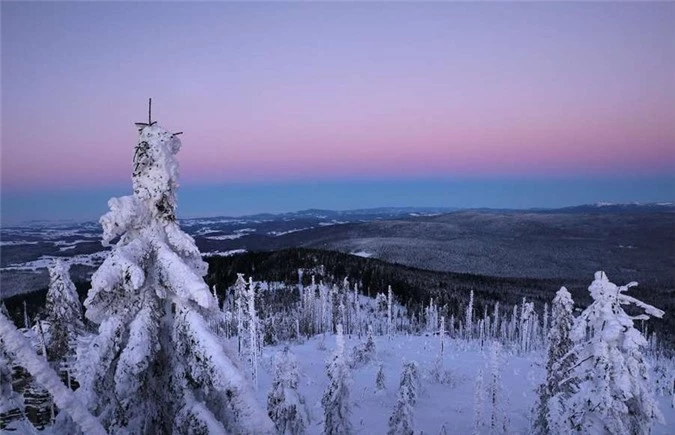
x: 156, y: 365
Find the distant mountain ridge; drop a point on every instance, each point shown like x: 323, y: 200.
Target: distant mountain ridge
x: 600, y: 207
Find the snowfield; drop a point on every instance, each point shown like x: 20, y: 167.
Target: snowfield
x: 439, y: 405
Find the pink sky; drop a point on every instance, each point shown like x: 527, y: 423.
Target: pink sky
x: 328, y: 91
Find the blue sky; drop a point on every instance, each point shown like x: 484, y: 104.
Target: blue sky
x: 233, y: 199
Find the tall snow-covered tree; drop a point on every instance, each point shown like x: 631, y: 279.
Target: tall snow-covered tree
x: 390, y: 302
x: 253, y: 339
x: 614, y: 394
x: 285, y: 406
x: 240, y: 307
x: 335, y: 400
x: 64, y: 312
x: 468, y: 322
x: 498, y: 419
x: 527, y: 320
x: 155, y: 365
x: 559, y: 385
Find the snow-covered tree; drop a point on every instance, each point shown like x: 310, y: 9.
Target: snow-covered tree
x: 357, y: 310
x: 253, y: 339
x: 478, y: 403
x: 335, y: 401
x: 379, y: 379
x: 498, y: 419
x: 614, y: 394
x: 64, y: 312
x: 365, y: 352
x: 285, y: 406
x: 555, y: 391
x: 441, y: 336
x: 240, y: 307
x: 156, y: 365
x: 527, y: 320
x: 381, y: 309
x: 390, y: 302
x: 468, y: 322
x: 401, y: 420
x: 496, y: 322
x: 431, y: 313
x: 410, y: 377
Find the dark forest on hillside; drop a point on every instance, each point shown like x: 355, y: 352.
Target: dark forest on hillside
x: 412, y: 287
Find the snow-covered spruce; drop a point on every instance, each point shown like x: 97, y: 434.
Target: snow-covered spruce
x: 335, y: 401
x: 365, y: 352
x: 64, y: 313
x: 401, y: 420
x: 558, y: 386
x: 380, y: 379
x: 613, y: 394
x: 285, y: 406
x: 155, y: 365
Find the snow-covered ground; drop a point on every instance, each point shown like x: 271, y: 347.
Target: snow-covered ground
x: 450, y: 405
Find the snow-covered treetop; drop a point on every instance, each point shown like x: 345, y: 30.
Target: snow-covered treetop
x: 58, y: 270
x: 563, y: 298
x: 605, y: 319
x: 601, y: 288
x: 154, y: 177
x: 155, y: 174
x: 62, y: 300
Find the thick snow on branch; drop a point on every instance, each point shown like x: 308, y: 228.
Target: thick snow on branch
x: 180, y: 278
x: 136, y: 356
x: 126, y: 213
x: 210, y: 364
x: 64, y: 398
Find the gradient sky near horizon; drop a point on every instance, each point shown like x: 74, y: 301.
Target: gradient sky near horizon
x: 339, y: 104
